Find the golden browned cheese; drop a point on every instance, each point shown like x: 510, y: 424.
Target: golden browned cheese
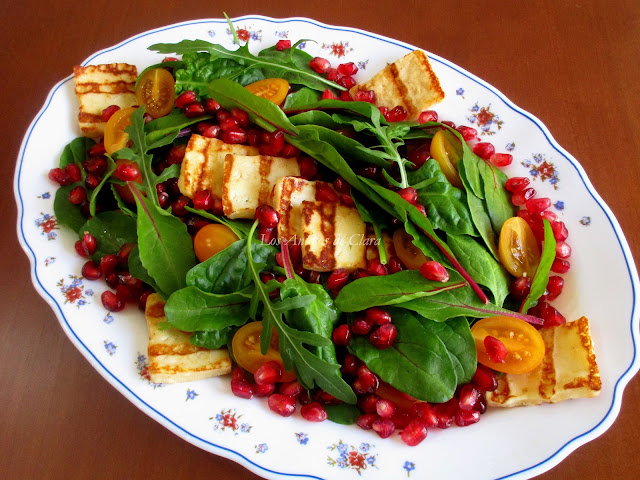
x: 408, y: 82
x: 568, y: 370
x: 172, y: 357
x: 100, y: 86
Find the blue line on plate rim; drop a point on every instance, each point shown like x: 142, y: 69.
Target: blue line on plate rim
x: 581, y: 173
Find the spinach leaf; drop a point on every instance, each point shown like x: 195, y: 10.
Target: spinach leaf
x: 166, y: 248
x: 162, y: 127
x: 93, y: 200
x: 320, y: 316
x: 138, y: 271
x: 76, y: 152
x: 426, y: 246
x: 302, y: 97
x: 240, y: 227
x: 226, y: 272
x: 541, y: 277
x: 214, y: 339
x: 392, y: 289
x: 111, y: 230
x: 303, y: 75
x: 343, y: 413
x: 485, y: 269
x: 417, y: 363
x: 190, y: 309
x: 67, y: 213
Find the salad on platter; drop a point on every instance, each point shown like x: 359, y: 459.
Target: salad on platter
x: 333, y: 245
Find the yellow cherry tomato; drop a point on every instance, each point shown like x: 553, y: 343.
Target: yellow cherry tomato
x: 524, y: 343
x: 156, y: 90
x: 274, y: 89
x: 115, y: 138
x: 246, y: 350
x: 410, y: 255
x: 447, y: 151
x: 211, y: 239
x: 517, y: 248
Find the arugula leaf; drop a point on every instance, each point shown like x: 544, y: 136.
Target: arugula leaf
x: 418, y: 363
x: 66, y: 212
x: 111, y: 230
x: 541, y: 277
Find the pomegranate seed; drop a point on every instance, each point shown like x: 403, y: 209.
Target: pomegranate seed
x: 384, y: 336
x: 290, y: 151
x: 193, y: 110
x: 178, y: 206
x: 342, y: 335
x: 325, y: 193
x: 467, y: 133
x: 420, y: 155
x: 394, y: 264
x: 91, y: 270
x: 501, y: 159
x: 91, y: 181
x: 345, y: 96
x: 211, y: 106
x: 560, y: 232
x: 520, y: 287
x: 109, y: 111
x: 376, y: 268
x: 264, y: 390
x: 126, y: 293
x: 123, y: 253
x: 410, y: 194
x: 127, y: 172
x: 369, y: 380
x: 414, y: 433
x: 368, y: 403
x: 464, y: 418
x: 401, y: 418
x: 385, y: 408
x: 469, y: 396
x: 350, y: 365
x: 142, y: 301
x: 320, y: 65
x: 448, y: 123
x: 240, y: 116
x: 269, y: 372
x: 347, y: 82
x: 428, y: 116
x: 96, y: 166
x: 77, y: 195
x: 368, y: 96
x: 347, y: 199
x: 563, y: 250
x: 554, y: 287
x: 432, y: 270
x: 538, y: 205
x: 495, y: 349
x: 185, y: 98
x: 326, y: 398
x: 229, y: 124
x: 560, y: 266
x: 347, y: 68
x: 384, y: 111
x: 445, y: 413
x: 553, y: 318
x: 384, y: 427
x: 202, y: 200
x: 485, y: 379
x: 97, y: 150
x: 341, y: 185
x: 313, y: 412
x: 240, y: 385
x: 112, y: 302
x: 73, y: 172
x: 267, y: 235
x: 484, y: 150
x: 424, y: 411
x: 361, y: 327
x: 516, y: 184
x: 222, y: 115
x: 332, y: 74
x: 283, y: 45
x: 111, y: 279
x: 308, y: 167
x: 396, y: 114
x: 291, y: 389
x: 337, y: 279
x: 89, y: 243
x: 234, y: 137
x: 520, y: 198
x: 267, y: 216
x: 328, y: 95
x: 377, y: 316
x: 361, y: 273
x: 108, y: 264
x: 59, y: 176
x: 481, y: 404
x: 366, y: 421
x: 305, y: 398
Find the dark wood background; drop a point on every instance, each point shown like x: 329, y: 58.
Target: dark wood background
x: 574, y: 64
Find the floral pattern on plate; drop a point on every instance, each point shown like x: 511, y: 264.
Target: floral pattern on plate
x: 352, y: 458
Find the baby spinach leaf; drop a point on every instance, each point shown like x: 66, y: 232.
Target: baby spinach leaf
x: 541, y: 277
x: 76, y: 152
x: 302, y: 75
x: 93, y: 200
x: 417, y: 363
x: 240, y: 227
x: 190, y: 309
x: 138, y: 271
x: 112, y: 230
x: 392, y: 289
x: 342, y: 413
x: 485, y: 269
x: 67, y: 213
x: 213, y: 339
x: 168, y: 125
x: 426, y: 246
x: 303, y: 96
x: 166, y: 248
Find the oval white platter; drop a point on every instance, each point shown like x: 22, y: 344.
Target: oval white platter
x: 511, y: 443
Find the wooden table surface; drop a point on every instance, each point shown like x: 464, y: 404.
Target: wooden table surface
x: 574, y: 64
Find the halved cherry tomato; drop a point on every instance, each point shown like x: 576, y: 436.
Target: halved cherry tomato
x: 156, y: 90
x: 410, y: 255
x: 246, y: 350
x: 123, y: 190
x: 211, y: 239
x: 447, y: 151
x: 115, y: 138
x: 517, y: 248
x: 524, y: 343
x: 274, y: 89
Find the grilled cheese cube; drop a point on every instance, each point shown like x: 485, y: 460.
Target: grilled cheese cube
x: 99, y: 86
x: 203, y: 164
x: 287, y: 197
x: 408, y: 82
x: 249, y: 180
x: 333, y: 236
x: 172, y: 357
x: 568, y: 370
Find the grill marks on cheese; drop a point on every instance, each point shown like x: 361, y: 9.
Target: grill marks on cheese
x: 172, y: 357
x: 99, y: 86
x: 568, y: 370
